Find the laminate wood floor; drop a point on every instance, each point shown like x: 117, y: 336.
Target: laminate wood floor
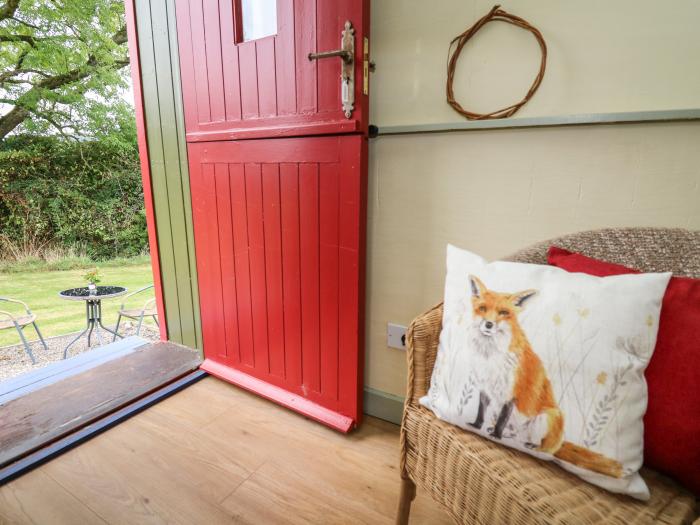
x: 216, y: 454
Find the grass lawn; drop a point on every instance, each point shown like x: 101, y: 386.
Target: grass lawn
x: 56, y: 316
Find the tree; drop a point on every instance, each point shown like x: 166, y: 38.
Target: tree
x: 62, y: 67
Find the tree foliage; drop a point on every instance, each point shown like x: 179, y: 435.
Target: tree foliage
x: 62, y: 67
x: 84, y: 195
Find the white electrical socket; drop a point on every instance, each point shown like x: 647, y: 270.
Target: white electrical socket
x: 396, y: 336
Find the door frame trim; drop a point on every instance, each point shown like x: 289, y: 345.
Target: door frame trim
x: 132, y: 36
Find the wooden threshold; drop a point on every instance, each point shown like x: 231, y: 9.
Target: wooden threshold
x: 22, y: 384
x: 44, y: 454
x: 57, y: 404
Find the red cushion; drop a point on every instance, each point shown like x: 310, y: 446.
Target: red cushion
x: 672, y: 420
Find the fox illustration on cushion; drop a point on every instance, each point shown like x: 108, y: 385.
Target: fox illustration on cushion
x: 512, y: 383
x: 549, y: 363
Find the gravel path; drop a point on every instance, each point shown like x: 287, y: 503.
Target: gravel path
x: 14, y: 359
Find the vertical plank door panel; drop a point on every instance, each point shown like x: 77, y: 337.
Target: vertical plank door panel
x: 188, y: 296
x: 213, y: 269
x: 269, y: 87
x: 278, y: 182
x: 229, y: 57
x: 227, y: 263
x: 139, y: 103
x: 327, y: 37
x: 291, y: 270
x: 285, y: 239
x: 173, y: 180
x: 208, y: 260
x: 309, y: 252
x: 193, y: 19
x: 247, y: 60
x: 273, y: 267
x: 351, y: 278
x: 258, y: 285
x: 329, y: 198
x: 188, y: 71
x: 217, y: 101
x: 285, y: 60
x: 305, y: 42
x: 239, y: 217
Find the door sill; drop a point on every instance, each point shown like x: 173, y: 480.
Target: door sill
x: 283, y: 397
x: 45, y: 406
x: 23, y: 384
x: 48, y: 452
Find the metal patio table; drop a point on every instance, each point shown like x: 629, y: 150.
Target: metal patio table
x: 93, y: 309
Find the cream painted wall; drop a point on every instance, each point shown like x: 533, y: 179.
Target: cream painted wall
x: 494, y: 191
x: 626, y: 55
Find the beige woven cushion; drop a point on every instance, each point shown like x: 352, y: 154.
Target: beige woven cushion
x: 647, y: 249
x: 22, y: 320
x: 482, y: 482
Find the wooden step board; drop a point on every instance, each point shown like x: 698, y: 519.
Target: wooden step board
x: 42, y: 406
x: 15, y: 387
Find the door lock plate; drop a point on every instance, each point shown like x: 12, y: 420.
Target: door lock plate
x: 347, y: 76
x: 365, y: 67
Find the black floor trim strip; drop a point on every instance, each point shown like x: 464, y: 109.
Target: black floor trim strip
x: 57, y: 448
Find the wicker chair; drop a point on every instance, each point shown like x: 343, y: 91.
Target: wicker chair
x: 478, y: 481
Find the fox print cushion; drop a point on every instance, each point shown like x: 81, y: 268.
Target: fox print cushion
x: 550, y: 363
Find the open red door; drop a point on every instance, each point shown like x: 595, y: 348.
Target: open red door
x: 275, y: 96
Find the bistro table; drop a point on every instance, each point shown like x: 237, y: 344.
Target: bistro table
x: 93, y: 307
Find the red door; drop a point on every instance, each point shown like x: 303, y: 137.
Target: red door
x: 277, y: 154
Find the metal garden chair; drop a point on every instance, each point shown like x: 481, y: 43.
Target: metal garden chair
x: 9, y: 320
x: 148, y: 310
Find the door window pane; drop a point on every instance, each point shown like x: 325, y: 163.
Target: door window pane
x: 259, y: 18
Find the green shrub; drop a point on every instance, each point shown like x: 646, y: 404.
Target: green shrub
x: 83, y: 196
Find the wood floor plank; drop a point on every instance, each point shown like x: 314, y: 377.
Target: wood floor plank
x: 36, y: 498
x: 123, y: 488
x: 274, y: 495
x: 164, y: 447
x: 216, y: 454
x: 336, y: 477
x: 200, y: 406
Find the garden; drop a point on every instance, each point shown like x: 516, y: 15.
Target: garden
x: 71, y: 201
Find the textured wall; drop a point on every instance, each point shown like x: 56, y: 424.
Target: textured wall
x: 604, y: 57
x: 496, y: 191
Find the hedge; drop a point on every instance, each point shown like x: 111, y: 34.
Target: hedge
x: 85, y: 196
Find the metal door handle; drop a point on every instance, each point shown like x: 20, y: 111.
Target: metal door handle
x: 347, y: 75
x: 347, y: 56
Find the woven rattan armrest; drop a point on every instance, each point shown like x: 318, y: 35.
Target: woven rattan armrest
x: 422, y: 343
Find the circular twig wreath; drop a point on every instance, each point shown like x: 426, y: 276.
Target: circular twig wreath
x: 495, y: 15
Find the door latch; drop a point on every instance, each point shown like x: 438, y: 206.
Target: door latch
x: 347, y: 76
